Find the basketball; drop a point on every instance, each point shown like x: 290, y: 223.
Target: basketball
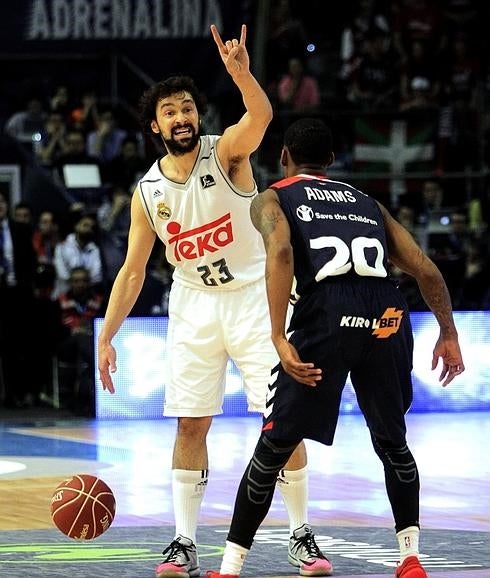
x: 83, y: 507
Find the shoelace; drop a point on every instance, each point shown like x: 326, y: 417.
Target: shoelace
x: 175, y: 549
x: 308, y: 542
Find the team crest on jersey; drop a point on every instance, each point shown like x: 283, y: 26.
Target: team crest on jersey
x: 163, y: 211
x: 207, y: 181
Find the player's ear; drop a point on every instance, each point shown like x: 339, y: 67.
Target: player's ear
x: 284, y: 157
x: 331, y: 160
x: 154, y: 127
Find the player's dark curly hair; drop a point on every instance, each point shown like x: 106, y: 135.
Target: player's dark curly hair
x: 309, y: 142
x: 163, y: 89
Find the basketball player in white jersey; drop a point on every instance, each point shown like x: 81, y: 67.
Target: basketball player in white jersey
x: 196, y: 199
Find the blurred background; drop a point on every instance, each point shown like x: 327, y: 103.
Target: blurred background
x: 404, y: 85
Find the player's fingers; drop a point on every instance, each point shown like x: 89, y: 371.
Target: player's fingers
x: 243, y: 34
x: 450, y: 372
x: 217, y: 37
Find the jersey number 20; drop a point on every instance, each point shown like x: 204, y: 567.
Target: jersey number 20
x: 345, y: 257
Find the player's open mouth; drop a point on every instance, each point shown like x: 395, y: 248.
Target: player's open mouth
x: 182, y: 132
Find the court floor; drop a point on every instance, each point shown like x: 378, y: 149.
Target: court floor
x: 348, y: 506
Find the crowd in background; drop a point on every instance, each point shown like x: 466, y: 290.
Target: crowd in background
x: 58, y: 260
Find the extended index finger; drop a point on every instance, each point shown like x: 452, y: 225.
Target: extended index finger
x: 217, y: 37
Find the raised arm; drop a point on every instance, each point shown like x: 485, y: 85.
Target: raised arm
x: 244, y: 137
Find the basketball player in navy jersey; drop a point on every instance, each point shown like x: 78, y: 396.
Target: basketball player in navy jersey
x: 335, y: 242
x: 196, y: 200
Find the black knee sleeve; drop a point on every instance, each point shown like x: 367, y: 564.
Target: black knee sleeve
x: 256, y: 488
x: 401, y: 479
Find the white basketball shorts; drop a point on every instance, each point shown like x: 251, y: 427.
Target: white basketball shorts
x: 205, y: 330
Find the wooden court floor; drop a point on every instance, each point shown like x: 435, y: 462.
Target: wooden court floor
x: 346, y: 485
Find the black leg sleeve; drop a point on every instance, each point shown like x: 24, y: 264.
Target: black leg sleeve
x: 256, y: 488
x: 402, y: 481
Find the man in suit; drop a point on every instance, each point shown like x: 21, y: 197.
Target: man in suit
x: 17, y: 270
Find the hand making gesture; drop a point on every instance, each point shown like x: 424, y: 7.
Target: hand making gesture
x: 233, y: 52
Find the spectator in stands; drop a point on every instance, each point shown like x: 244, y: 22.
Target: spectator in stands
x: 75, y: 150
x: 461, y: 73
x: 85, y: 116
x: 406, y: 216
x: 80, y: 304
x: 17, y: 270
x: 52, y: 139
x: 25, y: 125
x: 79, y: 249
x: 286, y: 38
x: 475, y: 290
x: 418, y: 20
x: 60, y: 101
x: 45, y: 334
x: 431, y: 198
x: 127, y: 167
x: 419, y: 97
x: 449, y: 250
x: 375, y: 81
x: 45, y: 237
x: 23, y: 213
x: 74, y: 153
x: 298, y: 92
x: 419, y: 73
x: 105, y: 142
x: 114, y: 218
x: 369, y: 17
x: 463, y: 18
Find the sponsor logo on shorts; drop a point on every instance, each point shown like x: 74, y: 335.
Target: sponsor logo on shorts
x: 387, y: 325
x: 196, y: 243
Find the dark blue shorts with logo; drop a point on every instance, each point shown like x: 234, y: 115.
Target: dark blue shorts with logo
x: 361, y: 327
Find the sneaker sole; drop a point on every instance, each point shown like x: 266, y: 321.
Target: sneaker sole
x: 194, y: 573
x: 302, y: 572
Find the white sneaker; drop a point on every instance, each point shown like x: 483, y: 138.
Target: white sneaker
x: 305, y: 554
x: 180, y: 560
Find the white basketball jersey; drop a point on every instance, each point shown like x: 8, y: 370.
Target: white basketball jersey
x: 205, y: 224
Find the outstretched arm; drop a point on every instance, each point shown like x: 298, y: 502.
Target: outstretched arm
x: 409, y: 257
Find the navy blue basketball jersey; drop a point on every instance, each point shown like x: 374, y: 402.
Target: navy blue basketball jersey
x: 335, y: 230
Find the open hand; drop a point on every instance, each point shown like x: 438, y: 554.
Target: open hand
x: 107, y: 365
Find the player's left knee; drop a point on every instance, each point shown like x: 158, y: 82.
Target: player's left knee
x: 396, y: 457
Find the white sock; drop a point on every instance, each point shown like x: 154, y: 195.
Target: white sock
x: 293, y: 485
x: 233, y: 559
x: 408, y: 542
x: 188, y: 490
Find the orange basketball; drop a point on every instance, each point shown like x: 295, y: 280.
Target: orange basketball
x: 83, y: 507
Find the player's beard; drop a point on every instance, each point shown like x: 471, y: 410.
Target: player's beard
x: 181, y: 147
